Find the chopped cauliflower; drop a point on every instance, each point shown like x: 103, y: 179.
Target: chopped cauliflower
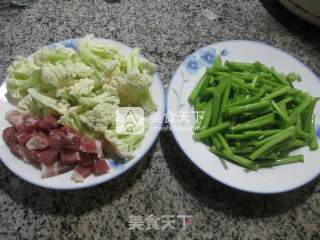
x: 58, y: 75
x: 101, y: 117
x: 82, y: 88
x: 85, y: 87
x: 46, y: 55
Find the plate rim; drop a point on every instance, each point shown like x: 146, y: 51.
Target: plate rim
x: 120, y: 172
x: 195, y: 162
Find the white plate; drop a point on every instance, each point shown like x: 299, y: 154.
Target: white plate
x: 273, y: 180
x: 63, y: 182
x: 309, y: 10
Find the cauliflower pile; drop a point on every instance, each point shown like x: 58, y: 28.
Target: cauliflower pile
x: 85, y: 87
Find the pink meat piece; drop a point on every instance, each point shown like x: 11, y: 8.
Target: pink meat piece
x: 54, y: 144
x: 87, y: 159
x: 14, y: 117
x: 31, y: 123
x: 57, y: 134
x: 67, y: 129
x: 91, y: 146
x: 69, y: 157
x: 49, y: 122
x: 100, y: 167
x: 54, y: 170
x: 84, y: 171
x: 71, y: 141
x: 30, y: 119
x: 27, y: 155
x: 9, y: 136
x: 48, y: 157
x: 21, y: 128
x: 23, y: 137
x: 38, y: 141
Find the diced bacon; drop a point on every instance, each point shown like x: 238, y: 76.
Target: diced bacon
x: 9, y: 135
x: 21, y: 128
x: 10, y: 139
x: 43, y: 126
x: 31, y: 124
x: 99, y: 149
x: 23, y: 137
x: 27, y: 115
x: 48, y: 122
x: 27, y: 155
x: 69, y: 157
x: 91, y: 146
x: 88, y: 145
x: 87, y: 159
x: 84, y: 171
x: 54, y: 144
x: 38, y: 141
x: 14, y: 117
x: 71, y: 141
x: 67, y: 129
x: 100, y: 167
x: 30, y: 119
x: 104, y: 143
x: 27, y: 128
x: 56, y: 134
x: 48, y: 157
x: 25, y: 158
x: 54, y: 170
x: 71, y: 136
x: 58, y: 149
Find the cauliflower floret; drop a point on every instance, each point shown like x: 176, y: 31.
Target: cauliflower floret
x: 139, y: 80
x: 124, y: 145
x: 82, y: 88
x: 58, y: 75
x: 101, y: 117
x: 111, y: 67
x: 60, y: 106
x: 130, y: 87
x: 22, y: 68
x: 22, y: 74
x: 46, y: 55
x: 41, y: 56
x: 101, y: 49
x: 147, y: 67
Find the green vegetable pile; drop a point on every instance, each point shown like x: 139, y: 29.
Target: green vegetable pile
x: 85, y: 87
x: 252, y: 115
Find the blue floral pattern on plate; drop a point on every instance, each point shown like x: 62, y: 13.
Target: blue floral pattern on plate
x: 116, y: 165
x: 71, y: 44
x: 207, y: 57
x: 202, y: 58
x: 192, y: 64
x: 224, y: 52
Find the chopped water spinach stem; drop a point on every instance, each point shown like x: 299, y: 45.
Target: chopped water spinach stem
x: 252, y: 114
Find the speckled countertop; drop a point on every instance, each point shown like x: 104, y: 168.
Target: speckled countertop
x: 164, y: 182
